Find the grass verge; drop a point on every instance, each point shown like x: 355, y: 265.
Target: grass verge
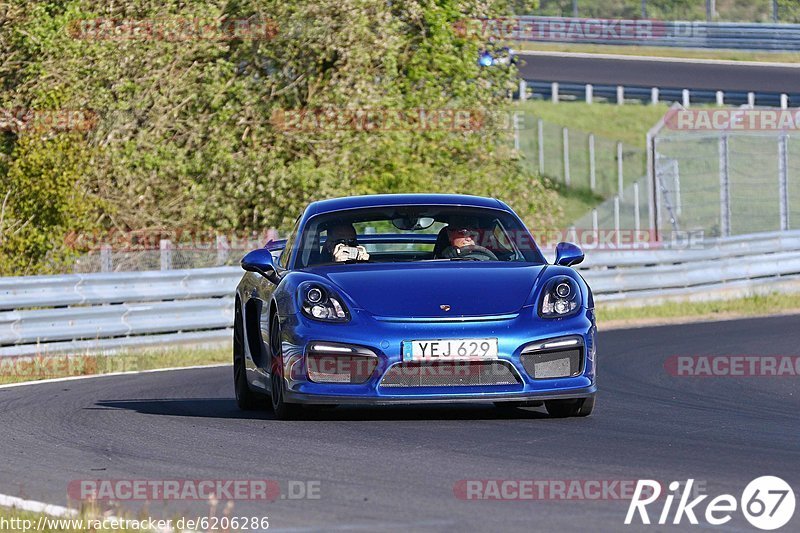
x: 657, y: 51
x: 677, y: 312
x: 34, y: 368
x: 628, y: 123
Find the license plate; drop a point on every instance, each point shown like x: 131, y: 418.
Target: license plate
x: 450, y: 349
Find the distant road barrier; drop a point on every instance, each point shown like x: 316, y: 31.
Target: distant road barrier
x: 111, y: 311
x: 642, y: 32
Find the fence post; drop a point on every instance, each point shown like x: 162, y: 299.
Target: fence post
x: 784, y: 101
x: 620, y: 95
x: 515, y: 123
x: 651, y: 186
x: 595, y: 224
x: 105, y: 258
x: 685, y: 97
x: 720, y: 98
x: 565, y: 133
x: 592, y: 167
x: 654, y: 96
x: 540, y: 134
x: 165, y: 246
x: 223, y: 249
x: 523, y: 90
x: 589, y: 93
x: 616, y: 220
x: 620, y: 183
x: 783, y: 180
x: 676, y: 178
x: 637, y: 225
x: 751, y: 99
x: 724, y: 188
x: 554, y: 92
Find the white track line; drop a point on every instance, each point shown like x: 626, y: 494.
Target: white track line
x: 33, y: 506
x: 586, y: 55
x: 92, y: 376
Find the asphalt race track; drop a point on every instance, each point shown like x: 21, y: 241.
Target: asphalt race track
x: 654, y: 73
x: 394, y: 469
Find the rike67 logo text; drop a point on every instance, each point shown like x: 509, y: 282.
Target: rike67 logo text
x: 767, y: 503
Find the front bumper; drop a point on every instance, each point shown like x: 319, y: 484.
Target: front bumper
x: 385, y: 339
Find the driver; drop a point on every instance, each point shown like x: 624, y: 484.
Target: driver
x: 342, y: 244
x: 462, y: 235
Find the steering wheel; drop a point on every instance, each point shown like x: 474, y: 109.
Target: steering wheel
x: 477, y: 252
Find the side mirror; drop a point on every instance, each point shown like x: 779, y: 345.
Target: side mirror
x: 567, y: 254
x: 261, y: 262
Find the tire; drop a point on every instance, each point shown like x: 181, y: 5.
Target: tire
x: 281, y: 409
x: 246, y: 399
x: 569, y: 408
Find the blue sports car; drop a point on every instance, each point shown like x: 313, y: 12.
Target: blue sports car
x: 413, y: 298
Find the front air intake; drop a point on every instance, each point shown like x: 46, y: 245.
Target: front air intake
x: 328, y: 368
x: 553, y: 363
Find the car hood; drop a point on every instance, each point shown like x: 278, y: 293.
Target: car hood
x: 419, y: 290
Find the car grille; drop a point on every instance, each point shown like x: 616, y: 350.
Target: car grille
x: 553, y: 363
x: 450, y: 374
x: 324, y: 368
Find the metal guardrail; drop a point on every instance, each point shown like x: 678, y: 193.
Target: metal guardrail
x: 106, y: 312
x: 683, y: 34
x: 557, y: 91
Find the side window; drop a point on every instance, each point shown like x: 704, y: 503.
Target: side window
x: 287, y: 252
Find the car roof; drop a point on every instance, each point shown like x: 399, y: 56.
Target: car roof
x: 390, y: 200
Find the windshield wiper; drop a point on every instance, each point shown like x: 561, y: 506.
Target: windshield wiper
x: 465, y: 259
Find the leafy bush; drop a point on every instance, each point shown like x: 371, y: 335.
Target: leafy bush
x: 185, y: 139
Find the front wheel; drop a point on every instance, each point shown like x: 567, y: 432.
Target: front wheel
x: 282, y: 409
x: 568, y: 408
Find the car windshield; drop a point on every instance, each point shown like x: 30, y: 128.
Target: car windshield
x: 414, y: 234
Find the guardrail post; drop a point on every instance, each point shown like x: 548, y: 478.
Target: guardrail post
x: 783, y: 180
x: 223, y: 249
x: 105, y: 258
x: 595, y: 224
x: 720, y: 98
x: 565, y: 134
x: 540, y: 137
x: 685, y: 97
x: 589, y: 93
x: 620, y: 182
x: 751, y: 99
x: 620, y: 95
x: 554, y: 92
x: 784, y: 101
x: 616, y: 221
x: 654, y: 96
x: 165, y: 247
x: 515, y: 124
x: 724, y: 189
x: 592, y: 167
x: 523, y: 90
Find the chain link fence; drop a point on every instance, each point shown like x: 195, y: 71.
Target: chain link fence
x: 170, y: 254
x: 726, y: 182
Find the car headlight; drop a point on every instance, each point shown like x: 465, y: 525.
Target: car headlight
x: 320, y: 303
x: 561, y: 297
